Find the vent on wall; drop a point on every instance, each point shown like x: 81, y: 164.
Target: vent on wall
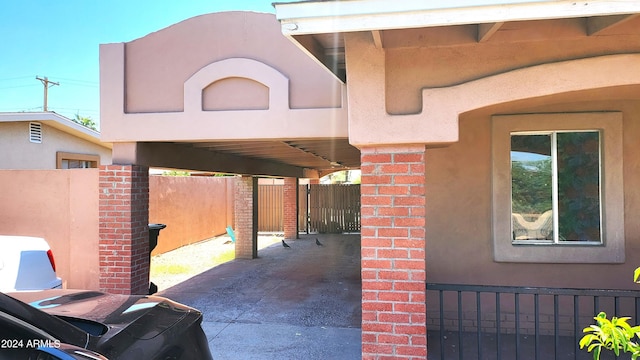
x: 35, y: 132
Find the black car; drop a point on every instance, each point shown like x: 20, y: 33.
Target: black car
x: 52, y: 324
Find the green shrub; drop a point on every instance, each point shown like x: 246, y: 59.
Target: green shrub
x: 614, y: 335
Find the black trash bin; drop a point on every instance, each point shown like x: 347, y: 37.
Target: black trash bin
x: 154, y: 232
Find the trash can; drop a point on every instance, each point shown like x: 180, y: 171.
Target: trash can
x: 154, y: 232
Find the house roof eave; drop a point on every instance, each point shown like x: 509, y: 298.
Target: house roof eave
x: 56, y: 121
x: 318, y: 17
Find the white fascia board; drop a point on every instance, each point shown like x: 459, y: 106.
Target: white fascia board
x: 366, y: 15
x: 57, y: 121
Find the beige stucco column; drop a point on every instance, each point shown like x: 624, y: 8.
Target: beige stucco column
x: 392, y: 206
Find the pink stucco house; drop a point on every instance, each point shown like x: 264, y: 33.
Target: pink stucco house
x: 468, y: 119
x: 46, y: 140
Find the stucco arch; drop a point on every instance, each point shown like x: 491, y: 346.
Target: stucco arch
x: 275, y: 81
x: 437, y: 123
x: 446, y: 104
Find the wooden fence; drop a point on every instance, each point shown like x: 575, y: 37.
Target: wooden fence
x: 334, y: 208
x: 270, y: 208
x: 323, y: 208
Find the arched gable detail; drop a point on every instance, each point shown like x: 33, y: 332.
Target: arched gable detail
x: 275, y: 81
x: 533, y: 82
x: 437, y: 123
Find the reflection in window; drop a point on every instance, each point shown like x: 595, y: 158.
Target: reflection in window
x: 555, y: 187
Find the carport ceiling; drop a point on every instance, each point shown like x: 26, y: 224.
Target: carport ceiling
x: 323, y: 155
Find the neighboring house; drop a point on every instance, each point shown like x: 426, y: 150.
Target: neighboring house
x: 444, y: 100
x: 46, y: 140
x: 41, y: 200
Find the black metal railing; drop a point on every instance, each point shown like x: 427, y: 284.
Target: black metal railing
x: 502, y: 322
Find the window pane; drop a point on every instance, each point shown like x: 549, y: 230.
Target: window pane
x: 579, y: 186
x: 531, y: 187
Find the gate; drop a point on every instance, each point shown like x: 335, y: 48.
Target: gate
x: 322, y: 208
x: 334, y: 208
x: 270, y: 208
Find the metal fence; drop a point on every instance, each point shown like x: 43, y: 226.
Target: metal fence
x: 501, y: 322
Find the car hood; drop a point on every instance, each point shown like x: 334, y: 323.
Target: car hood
x: 141, y: 317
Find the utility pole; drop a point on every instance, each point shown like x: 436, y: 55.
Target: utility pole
x: 47, y: 84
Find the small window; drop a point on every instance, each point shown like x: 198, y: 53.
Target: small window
x: 65, y: 160
x: 557, y: 188
x: 35, y: 132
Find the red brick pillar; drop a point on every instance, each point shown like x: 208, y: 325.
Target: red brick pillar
x: 393, y: 253
x: 124, y: 229
x: 246, y: 217
x: 290, y: 211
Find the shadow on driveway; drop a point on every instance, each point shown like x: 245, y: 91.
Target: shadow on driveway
x: 303, y: 302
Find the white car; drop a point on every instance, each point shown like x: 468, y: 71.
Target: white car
x: 26, y: 263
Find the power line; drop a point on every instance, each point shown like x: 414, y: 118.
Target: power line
x: 79, y: 81
x: 15, y: 87
x: 16, y: 78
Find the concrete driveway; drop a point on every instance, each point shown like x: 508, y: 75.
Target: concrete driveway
x: 302, y: 302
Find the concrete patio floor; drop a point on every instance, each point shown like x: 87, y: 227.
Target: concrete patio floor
x: 303, y: 302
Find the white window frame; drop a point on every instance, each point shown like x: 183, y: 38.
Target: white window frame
x: 611, y: 250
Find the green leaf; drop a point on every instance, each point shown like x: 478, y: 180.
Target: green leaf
x: 596, y: 353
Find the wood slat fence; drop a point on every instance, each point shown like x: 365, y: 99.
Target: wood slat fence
x: 323, y: 208
x: 334, y: 208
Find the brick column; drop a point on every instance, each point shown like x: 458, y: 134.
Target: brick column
x: 124, y: 229
x: 393, y: 253
x: 290, y: 211
x: 246, y: 217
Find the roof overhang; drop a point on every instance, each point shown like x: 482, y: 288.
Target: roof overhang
x: 317, y: 17
x: 58, y: 122
x: 317, y: 27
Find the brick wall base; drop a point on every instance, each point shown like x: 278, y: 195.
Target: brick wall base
x: 393, y: 253
x: 123, y: 229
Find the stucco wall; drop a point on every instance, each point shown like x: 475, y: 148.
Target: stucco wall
x: 411, y: 69
x: 18, y: 153
x: 193, y: 208
x: 459, y: 236
x: 62, y: 207
x: 458, y: 175
x: 155, y: 83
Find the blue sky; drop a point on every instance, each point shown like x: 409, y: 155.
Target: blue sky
x: 60, y: 39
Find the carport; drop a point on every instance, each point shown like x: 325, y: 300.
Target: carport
x: 222, y: 92
x: 227, y: 92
